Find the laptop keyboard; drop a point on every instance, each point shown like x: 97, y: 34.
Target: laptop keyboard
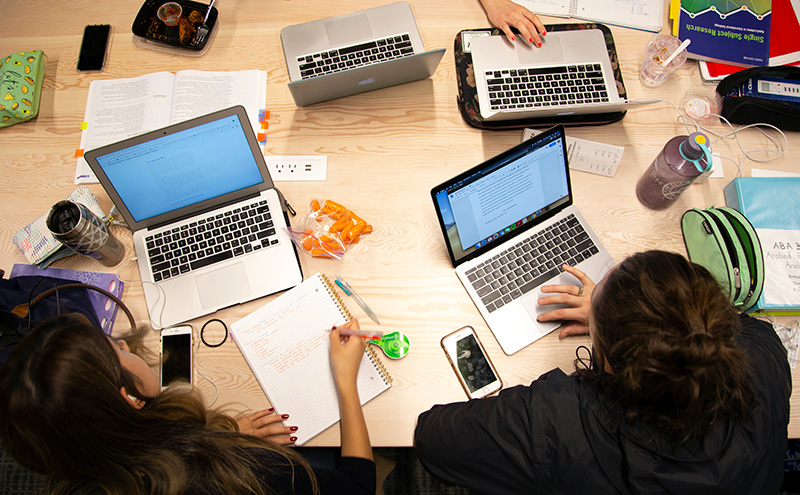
x: 210, y: 240
x: 350, y: 57
x: 531, y: 262
x: 515, y: 89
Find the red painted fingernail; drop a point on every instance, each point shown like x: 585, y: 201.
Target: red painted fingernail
x: 544, y: 33
x: 292, y: 428
x: 293, y: 439
x: 530, y: 39
x: 285, y: 416
x: 271, y: 409
x: 513, y: 38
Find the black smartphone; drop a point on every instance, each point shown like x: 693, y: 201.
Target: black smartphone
x: 93, y: 47
x: 176, y: 355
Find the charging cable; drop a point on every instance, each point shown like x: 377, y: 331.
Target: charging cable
x: 779, y: 145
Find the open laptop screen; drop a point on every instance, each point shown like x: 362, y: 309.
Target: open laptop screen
x: 182, y: 168
x: 503, y: 195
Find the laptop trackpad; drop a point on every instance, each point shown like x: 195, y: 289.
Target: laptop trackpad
x: 223, y: 287
x: 549, y: 52
x: 348, y: 29
x: 531, y: 302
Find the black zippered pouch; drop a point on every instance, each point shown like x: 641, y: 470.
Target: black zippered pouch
x: 742, y: 108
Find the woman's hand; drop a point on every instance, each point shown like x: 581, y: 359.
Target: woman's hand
x: 346, y: 352
x: 579, y: 298
x: 266, y: 424
x: 506, y: 14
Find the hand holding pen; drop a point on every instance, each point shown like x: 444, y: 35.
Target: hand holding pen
x: 346, y: 354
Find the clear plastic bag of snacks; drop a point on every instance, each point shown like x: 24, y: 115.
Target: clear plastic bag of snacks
x: 328, y: 229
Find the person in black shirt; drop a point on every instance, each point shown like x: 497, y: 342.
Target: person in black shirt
x: 681, y: 395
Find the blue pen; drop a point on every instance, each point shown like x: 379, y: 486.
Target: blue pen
x: 342, y: 283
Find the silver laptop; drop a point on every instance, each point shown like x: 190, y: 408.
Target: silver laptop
x: 208, y: 225
x: 509, y: 225
x: 570, y: 74
x: 354, y: 53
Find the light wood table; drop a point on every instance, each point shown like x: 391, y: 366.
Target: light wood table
x: 385, y: 150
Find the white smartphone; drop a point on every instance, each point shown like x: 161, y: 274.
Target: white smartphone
x: 471, y: 363
x: 176, y: 355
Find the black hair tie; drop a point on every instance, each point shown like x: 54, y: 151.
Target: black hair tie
x: 224, y: 337
x: 590, y: 365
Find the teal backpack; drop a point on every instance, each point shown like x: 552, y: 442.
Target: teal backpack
x: 724, y: 242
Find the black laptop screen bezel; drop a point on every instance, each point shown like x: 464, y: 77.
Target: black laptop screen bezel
x: 530, y: 145
x: 193, y: 209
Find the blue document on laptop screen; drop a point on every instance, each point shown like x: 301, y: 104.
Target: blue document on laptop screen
x: 183, y: 168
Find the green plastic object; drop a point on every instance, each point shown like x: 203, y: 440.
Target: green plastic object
x: 21, y: 76
x: 395, y: 345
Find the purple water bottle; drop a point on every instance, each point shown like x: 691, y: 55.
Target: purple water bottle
x: 681, y: 161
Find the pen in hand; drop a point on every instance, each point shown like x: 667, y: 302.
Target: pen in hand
x: 364, y: 334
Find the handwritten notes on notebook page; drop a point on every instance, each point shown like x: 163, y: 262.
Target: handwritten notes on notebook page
x: 286, y: 344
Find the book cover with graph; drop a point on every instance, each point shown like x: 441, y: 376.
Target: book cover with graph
x: 286, y: 344
x: 734, y: 32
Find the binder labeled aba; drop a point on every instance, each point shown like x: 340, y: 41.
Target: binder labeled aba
x: 772, y: 205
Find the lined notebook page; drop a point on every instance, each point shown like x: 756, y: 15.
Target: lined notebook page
x: 286, y: 344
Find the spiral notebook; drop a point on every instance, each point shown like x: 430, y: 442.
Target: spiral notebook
x: 286, y: 344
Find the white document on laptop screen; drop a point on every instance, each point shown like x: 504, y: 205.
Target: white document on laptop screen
x: 525, y: 184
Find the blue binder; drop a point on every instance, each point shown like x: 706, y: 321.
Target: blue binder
x: 771, y: 203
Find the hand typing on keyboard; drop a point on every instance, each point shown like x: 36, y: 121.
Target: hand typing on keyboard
x: 506, y: 14
x: 576, y: 317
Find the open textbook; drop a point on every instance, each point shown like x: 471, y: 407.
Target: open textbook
x: 647, y: 15
x: 117, y: 109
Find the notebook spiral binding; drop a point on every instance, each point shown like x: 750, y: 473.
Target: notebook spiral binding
x: 387, y: 378
x: 329, y: 287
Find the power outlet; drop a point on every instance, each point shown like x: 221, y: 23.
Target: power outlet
x: 286, y: 168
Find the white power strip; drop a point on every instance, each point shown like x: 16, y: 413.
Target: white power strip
x: 286, y: 168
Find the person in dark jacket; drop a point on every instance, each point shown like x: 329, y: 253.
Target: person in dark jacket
x: 682, y: 395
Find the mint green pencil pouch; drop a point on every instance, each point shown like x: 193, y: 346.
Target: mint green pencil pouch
x: 21, y: 77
